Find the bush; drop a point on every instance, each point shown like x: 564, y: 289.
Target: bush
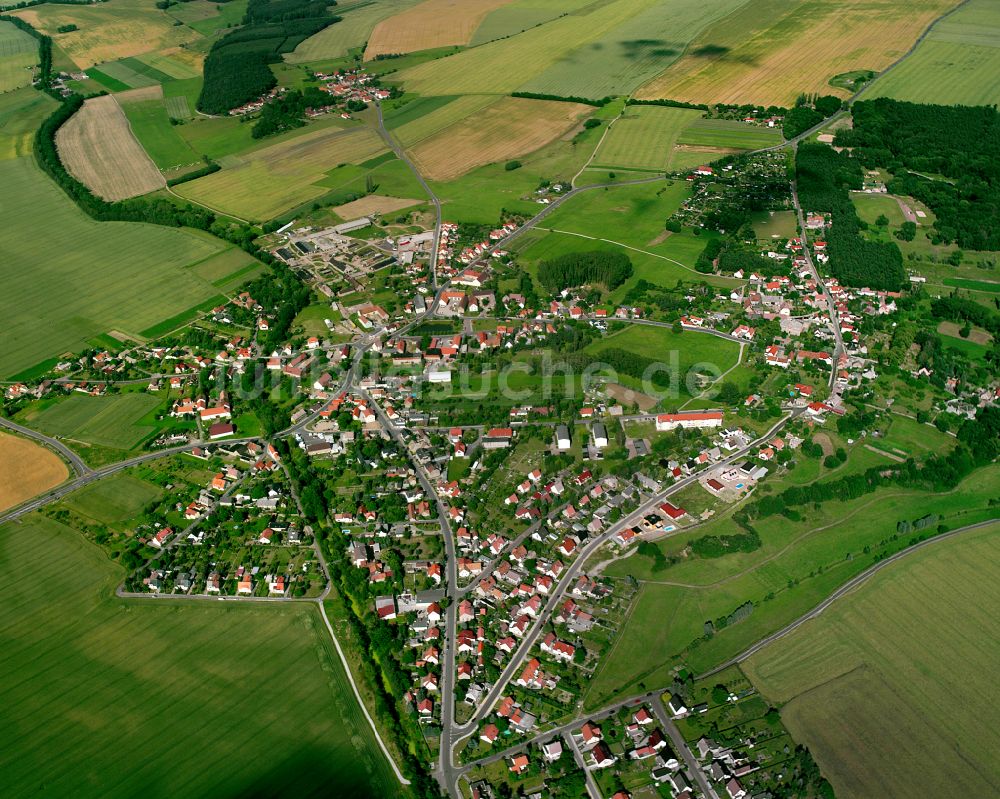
x: 510, y: 166
x: 592, y: 123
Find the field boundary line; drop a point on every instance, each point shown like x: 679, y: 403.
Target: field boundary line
x: 618, y: 244
x: 357, y: 696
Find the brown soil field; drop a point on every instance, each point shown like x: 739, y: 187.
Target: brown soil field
x: 433, y: 23
x: 372, y: 204
x: 509, y: 128
x: 26, y: 470
x: 770, y: 51
x: 976, y: 336
x: 626, y: 396
x: 98, y: 148
x: 140, y: 94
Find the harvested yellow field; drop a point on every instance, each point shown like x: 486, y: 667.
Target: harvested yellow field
x: 372, y: 204
x: 509, y: 128
x: 99, y: 150
x: 108, y: 31
x: 433, y: 23
x: 263, y: 183
x: 141, y: 94
x: 770, y: 51
x: 26, y: 470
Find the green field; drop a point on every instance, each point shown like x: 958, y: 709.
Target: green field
x: 513, y: 18
x: 644, y: 138
x: 777, y: 225
x: 890, y: 688
x: 871, y: 206
x: 109, y: 421
x: 729, y: 134
x: 70, y: 278
x: 958, y: 62
x: 430, y: 115
x: 170, y: 68
x: 113, y: 499
x: 142, y: 697
x: 799, y: 564
x: 972, y: 285
x: 131, y: 72
x: 18, y: 54
x: 206, y: 17
x: 151, y: 125
x: 359, y: 19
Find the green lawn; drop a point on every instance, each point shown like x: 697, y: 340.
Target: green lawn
x: 644, y: 137
x: 114, y: 420
x: 798, y: 565
x: 871, y: 206
x: 113, y: 499
x: 142, y: 697
x: 890, y: 687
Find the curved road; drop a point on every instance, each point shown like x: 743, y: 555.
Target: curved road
x: 75, y: 460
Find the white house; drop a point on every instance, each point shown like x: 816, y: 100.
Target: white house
x: 689, y: 419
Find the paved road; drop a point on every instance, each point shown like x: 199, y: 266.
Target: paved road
x: 75, y: 460
x: 593, y: 791
x: 681, y: 747
x: 845, y: 589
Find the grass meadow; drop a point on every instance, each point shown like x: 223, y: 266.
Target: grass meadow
x: 150, y: 122
x: 117, y: 498
x: 730, y: 134
x: 769, y: 51
x: 799, y: 564
x: 878, y: 683
x: 644, y: 138
x: 111, y: 698
x: 18, y: 54
x: 114, y: 420
x: 958, y: 62
x: 87, y: 277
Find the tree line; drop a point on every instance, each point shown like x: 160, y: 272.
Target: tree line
x: 237, y: 68
x: 960, y: 143
x: 609, y: 267
x: 823, y: 177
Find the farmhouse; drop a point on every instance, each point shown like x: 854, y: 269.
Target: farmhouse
x: 688, y: 419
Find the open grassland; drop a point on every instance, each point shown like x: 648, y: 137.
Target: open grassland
x: 108, y: 31
x: 26, y: 470
x: 729, y: 134
x: 263, y: 183
x: 334, y: 41
x: 506, y: 129
x: 770, y: 51
x: 117, y: 498
x: 633, y: 51
x: 18, y: 54
x: 98, y: 148
x: 69, y: 278
x: 372, y: 204
x: 21, y: 111
x: 644, y: 137
x: 132, y: 694
x: 891, y: 688
x: 520, y: 15
x: 113, y: 420
x: 150, y: 124
x: 799, y: 564
x: 430, y: 24
x: 958, y: 62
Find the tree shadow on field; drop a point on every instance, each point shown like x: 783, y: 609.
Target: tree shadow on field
x: 721, y: 52
x: 311, y: 772
x: 635, y: 48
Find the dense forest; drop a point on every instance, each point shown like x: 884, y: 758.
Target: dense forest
x: 959, y: 143
x: 237, y: 69
x: 610, y: 267
x: 824, y: 177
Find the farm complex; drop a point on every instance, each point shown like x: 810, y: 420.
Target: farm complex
x: 478, y: 399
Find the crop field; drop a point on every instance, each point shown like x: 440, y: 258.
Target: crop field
x: 207, y: 17
x: 26, y: 470
x: 958, y: 62
x: 110, y: 685
x: 108, y: 421
x: 798, y: 565
x: 129, y: 71
x: 424, y: 117
x: 18, y: 54
x: 98, y: 148
x: 887, y: 687
x: 150, y: 123
x: 644, y: 137
x: 729, y: 133
x: 372, y: 204
x: 70, y: 278
x: 508, y: 128
x: 107, y: 31
x: 21, y: 111
x: 632, y: 52
x: 520, y: 15
x: 359, y: 19
x: 263, y: 183
x: 430, y: 24
x: 113, y: 499
x: 175, y: 64
x: 769, y: 51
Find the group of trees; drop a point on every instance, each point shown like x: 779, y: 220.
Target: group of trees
x: 288, y: 110
x: 609, y: 267
x: 809, y: 112
x: 824, y: 177
x: 960, y: 143
x: 237, y: 68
